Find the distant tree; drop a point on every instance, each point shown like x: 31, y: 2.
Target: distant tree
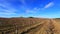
x: 31, y: 17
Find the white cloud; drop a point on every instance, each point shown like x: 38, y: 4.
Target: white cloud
x: 23, y: 2
x: 6, y: 9
x: 34, y: 10
x: 7, y: 13
x: 29, y: 11
x: 37, y: 8
x: 49, y: 5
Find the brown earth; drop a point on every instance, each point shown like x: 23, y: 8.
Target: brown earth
x: 29, y: 26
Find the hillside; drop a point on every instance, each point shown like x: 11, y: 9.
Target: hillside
x: 29, y: 26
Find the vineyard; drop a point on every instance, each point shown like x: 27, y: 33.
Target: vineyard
x: 29, y: 26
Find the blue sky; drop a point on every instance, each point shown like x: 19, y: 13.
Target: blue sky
x: 27, y: 8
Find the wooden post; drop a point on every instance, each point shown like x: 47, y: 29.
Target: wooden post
x: 16, y: 31
x: 3, y: 32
